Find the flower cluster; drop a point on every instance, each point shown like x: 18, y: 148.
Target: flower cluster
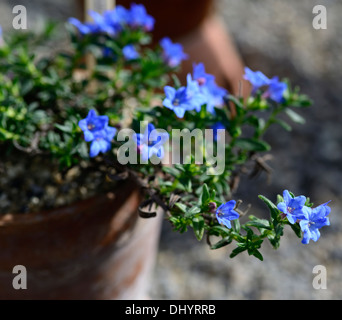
x: 274, y: 88
x: 310, y: 220
x: 52, y: 111
x: 96, y: 130
x: 201, y: 89
x: 114, y: 21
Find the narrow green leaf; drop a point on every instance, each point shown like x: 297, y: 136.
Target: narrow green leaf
x: 250, y: 144
x: 198, y: 226
x: 272, y: 207
x: 294, y: 116
x: 222, y: 243
x: 181, y: 206
x: 205, y: 196
x: 241, y: 248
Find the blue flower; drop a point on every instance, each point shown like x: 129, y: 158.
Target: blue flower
x: 117, y: 17
x: 83, y: 28
x: 130, y: 53
x: 138, y: 17
x: 194, y: 94
x: 95, y: 128
x: 216, y: 126
x: 316, y: 219
x: 184, y: 99
x: 102, y: 24
x: 151, y: 142
x: 225, y: 213
x: 113, y: 21
x: 293, y: 208
x: 276, y: 90
x: 1, y: 38
x: 208, y: 87
x: 172, y: 52
x: 256, y: 78
x: 176, y: 100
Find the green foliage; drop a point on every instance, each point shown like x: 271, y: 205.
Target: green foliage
x: 42, y: 100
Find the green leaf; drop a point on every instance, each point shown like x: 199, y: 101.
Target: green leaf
x: 296, y: 228
x: 241, y: 248
x: 192, y: 211
x: 259, y: 223
x: 222, y: 243
x: 294, y: 116
x: 198, y: 226
x: 181, y: 206
x: 251, y: 144
x: 236, y: 225
x: 64, y: 128
x: 219, y: 230
x: 271, y: 206
x: 172, y: 171
x: 205, y: 196
x: 283, y: 124
x: 258, y: 255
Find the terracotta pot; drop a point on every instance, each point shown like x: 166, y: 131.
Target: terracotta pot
x: 95, y: 249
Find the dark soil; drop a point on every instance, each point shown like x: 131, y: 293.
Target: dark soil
x: 35, y: 183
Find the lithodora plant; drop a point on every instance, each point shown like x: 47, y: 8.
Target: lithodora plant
x: 114, y: 96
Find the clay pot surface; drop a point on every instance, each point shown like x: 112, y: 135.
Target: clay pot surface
x: 94, y: 249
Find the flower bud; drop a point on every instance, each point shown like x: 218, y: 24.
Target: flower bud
x: 212, y: 207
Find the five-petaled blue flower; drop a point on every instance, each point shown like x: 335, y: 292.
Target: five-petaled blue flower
x: 276, y: 90
x: 225, y: 213
x: 138, y: 17
x: 130, y: 53
x: 185, y: 98
x: 172, y: 52
x: 208, y: 87
x: 293, y: 208
x: 151, y: 142
x: 256, y: 78
x: 316, y: 218
x: 96, y: 129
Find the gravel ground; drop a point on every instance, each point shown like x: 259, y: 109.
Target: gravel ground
x: 276, y: 37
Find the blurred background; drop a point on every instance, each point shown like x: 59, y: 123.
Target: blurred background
x: 276, y: 37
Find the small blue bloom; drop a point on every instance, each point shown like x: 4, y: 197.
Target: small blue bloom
x: 276, y: 90
x: 195, y: 96
x: 256, y: 78
x: 208, y: 87
x: 1, y: 38
x: 130, y: 53
x: 138, y: 17
x: 293, y: 207
x: 113, y: 21
x: 316, y: 219
x: 184, y: 99
x: 201, y: 76
x: 172, y: 52
x: 95, y: 128
x: 117, y: 17
x: 176, y: 100
x: 101, y: 23
x: 83, y: 28
x: 225, y: 213
x: 151, y: 142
